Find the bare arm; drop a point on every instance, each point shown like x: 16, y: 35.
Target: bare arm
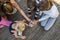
x: 56, y: 1
x: 19, y: 9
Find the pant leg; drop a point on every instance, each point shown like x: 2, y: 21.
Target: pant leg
x: 29, y: 11
x: 50, y: 23
x: 36, y: 16
x: 43, y: 23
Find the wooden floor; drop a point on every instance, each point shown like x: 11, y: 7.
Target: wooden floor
x: 35, y: 33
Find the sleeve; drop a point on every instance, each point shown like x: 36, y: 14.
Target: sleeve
x: 44, y: 18
x: 40, y: 13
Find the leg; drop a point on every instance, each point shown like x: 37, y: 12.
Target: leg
x: 16, y: 35
x: 36, y: 17
x: 50, y: 23
x: 29, y: 12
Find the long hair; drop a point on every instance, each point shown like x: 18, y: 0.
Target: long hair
x: 40, y: 4
x: 6, y: 6
x: 3, y: 9
x: 30, y: 4
x: 20, y: 26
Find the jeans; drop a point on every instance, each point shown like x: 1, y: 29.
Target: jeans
x: 48, y: 23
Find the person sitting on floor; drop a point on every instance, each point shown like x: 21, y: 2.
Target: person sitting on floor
x: 46, y: 9
x: 10, y: 7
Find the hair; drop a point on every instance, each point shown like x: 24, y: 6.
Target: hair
x: 42, y: 5
x: 6, y: 6
x: 30, y: 4
x: 20, y: 26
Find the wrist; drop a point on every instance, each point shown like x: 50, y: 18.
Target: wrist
x: 29, y: 20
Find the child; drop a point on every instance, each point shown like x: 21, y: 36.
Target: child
x: 16, y: 28
x: 47, y: 10
x: 10, y: 6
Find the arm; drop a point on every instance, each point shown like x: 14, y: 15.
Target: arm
x: 19, y: 9
x: 56, y: 1
x: 44, y: 18
x: 35, y: 22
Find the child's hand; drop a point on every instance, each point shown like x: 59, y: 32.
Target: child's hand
x: 31, y: 24
x: 35, y: 22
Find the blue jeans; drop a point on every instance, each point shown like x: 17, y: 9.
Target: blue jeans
x: 48, y: 22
